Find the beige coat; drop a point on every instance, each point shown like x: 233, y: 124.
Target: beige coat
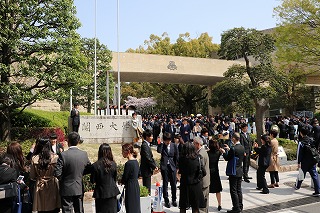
x: 46, y: 190
x: 274, y: 160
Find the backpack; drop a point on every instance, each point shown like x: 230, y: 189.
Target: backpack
x: 311, y: 151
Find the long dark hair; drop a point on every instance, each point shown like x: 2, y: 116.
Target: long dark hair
x: 214, y: 145
x: 15, y: 150
x: 43, y: 149
x: 266, y: 139
x: 105, y: 155
x: 189, y: 151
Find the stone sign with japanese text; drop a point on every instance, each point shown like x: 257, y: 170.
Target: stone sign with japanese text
x: 109, y: 129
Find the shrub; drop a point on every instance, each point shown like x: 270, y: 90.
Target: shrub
x: 22, y: 134
x: 87, y: 185
x: 120, y: 169
x: 144, y: 192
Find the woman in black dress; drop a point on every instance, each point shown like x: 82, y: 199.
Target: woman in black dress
x: 130, y: 180
x: 215, y: 181
x: 191, y: 174
x: 104, y: 175
x: 263, y: 162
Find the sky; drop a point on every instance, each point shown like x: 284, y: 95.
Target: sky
x: 138, y: 19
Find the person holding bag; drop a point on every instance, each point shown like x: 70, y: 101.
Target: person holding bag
x: 235, y: 156
x: 264, y: 153
x: 8, y: 177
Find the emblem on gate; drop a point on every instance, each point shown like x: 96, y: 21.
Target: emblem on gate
x: 172, y: 65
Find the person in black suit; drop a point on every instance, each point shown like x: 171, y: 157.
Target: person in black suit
x: 316, y: 134
x: 235, y: 180
x: 70, y: 168
x: 104, y: 175
x: 170, y: 128
x: 168, y: 166
x: 185, y: 130
x: 246, y: 142
x: 56, y: 147
x: 8, y: 174
x: 263, y: 162
x: 75, y: 116
x: 148, y: 164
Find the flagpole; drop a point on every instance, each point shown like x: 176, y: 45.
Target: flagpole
x: 95, y: 58
x: 118, y: 56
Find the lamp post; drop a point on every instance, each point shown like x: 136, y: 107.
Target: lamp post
x: 107, y: 93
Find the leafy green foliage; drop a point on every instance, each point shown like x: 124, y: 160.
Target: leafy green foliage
x: 252, y: 82
x: 84, y: 95
x: 144, y: 192
x: 40, y: 54
x: 298, y: 34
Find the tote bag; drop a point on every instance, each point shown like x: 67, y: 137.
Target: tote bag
x: 231, y: 169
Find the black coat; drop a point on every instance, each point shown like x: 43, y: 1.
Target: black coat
x: 171, y: 129
x: 172, y: 156
x: 75, y: 115
x: 246, y: 142
x: 147, y: 164
x: 316, y: 135
x: 264, y: 155
x: 237, y: 151
x: 106, y: 186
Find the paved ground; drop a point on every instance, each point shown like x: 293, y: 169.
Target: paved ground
x: 282, y: 199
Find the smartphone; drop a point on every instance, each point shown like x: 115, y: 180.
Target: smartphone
x: 20, y: 178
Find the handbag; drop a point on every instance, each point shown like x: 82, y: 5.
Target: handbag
x: 300, y: 175
x: 120, y: 202
x: 231, y: 169
x: 26, y: 202
x: 8, y: 190
x: 17, y: 205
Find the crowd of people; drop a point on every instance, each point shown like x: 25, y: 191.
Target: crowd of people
x: 190, y: 149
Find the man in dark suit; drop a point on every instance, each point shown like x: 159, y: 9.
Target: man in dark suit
x: 75, y: 117
x: 316, y: 134
x: 71, y: 166
x: 56, y: 147
x: 170, y: 128
x: 147, y: 164
x: 235, y: 180
x: 246, y: 142
x: 185, y: 130
x: 168, y: 166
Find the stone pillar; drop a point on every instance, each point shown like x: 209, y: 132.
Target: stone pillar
x: 316, y: 95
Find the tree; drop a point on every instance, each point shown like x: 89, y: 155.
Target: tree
x: 255, y: 80
x: 39, y: 54
x: 141, y: 104
x: 85, y: 94
x: 298, y: 34
x: 298, y: 48
x: 180, y: 98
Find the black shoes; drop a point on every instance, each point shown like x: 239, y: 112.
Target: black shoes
x: 219, y: 208
x: 174, y: 203
x: 249, y: 178
x: 258, y: 188
x: 246, y: 180
x: 264, y: 192
x: 167, y: 204
x: 233, y: 211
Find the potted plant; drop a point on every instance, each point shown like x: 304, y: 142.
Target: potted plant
x: 145, y: 199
